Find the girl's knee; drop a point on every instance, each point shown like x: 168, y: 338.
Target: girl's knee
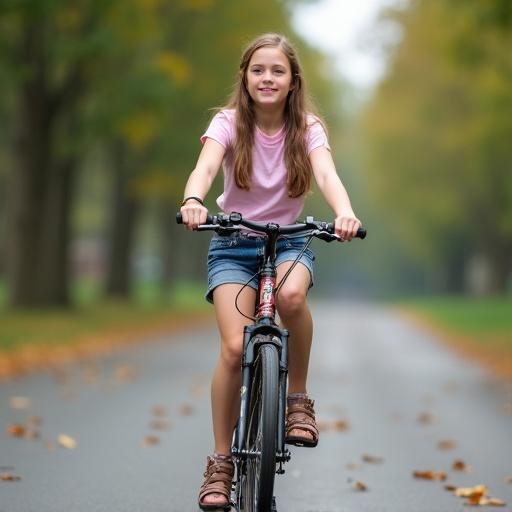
x: 291, y: 301
x: 231, y: 353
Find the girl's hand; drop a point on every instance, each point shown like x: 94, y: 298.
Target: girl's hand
x: 346, y: 226
x: 193, y: 214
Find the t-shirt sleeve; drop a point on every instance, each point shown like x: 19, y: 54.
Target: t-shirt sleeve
x: 316, y: 136
x: 220, y: 129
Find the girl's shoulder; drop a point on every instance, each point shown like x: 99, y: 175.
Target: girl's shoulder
x: 225, y: 114
x: 221, y: 128
x: 313, y: 119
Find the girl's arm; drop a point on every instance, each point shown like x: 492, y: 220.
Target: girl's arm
x: 200, y: 182
x: 329, y: 183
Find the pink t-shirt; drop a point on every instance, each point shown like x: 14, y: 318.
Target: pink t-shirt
x: 267, y: 200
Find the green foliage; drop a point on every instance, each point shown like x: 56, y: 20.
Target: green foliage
x: 439, y: 154
x: 144, y: 72
x: 482, y: 319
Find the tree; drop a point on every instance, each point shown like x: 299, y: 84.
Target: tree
x: 438, y: 133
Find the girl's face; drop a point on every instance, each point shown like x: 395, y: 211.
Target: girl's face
x: 269, y: 78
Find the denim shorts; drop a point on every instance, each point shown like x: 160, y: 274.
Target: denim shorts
x: 236, y: 258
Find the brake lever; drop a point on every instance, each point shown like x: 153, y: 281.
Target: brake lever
x: 326, y: 237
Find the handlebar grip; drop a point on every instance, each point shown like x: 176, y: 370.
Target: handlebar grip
x: 361, y: 232
x: 179, y: 219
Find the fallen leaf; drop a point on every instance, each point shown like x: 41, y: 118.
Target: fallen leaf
x: 186, y: 409
x: 353, y: 466
x: 467, y: 492
x: 340, y: 425
x: 360, y: 486
x: 9, y: 477
x: 66, y: 442
x: 19, y: 402
x: 150, y: 441
x: 491, y: 502
x: 446, y: 444
x: 508, y: 479
x: 430, y: 475
x: 426, y: 418
x: 460, y: 465
x: 16, y: 430
x: 477, y: 496
x: 159, y: 425
x: 159, y: 410
x: 34, y: 421
x: 372, y: 459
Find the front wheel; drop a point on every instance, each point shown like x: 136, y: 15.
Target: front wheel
x: 262, y: 432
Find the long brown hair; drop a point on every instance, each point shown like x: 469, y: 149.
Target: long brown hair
x: 297, y: 107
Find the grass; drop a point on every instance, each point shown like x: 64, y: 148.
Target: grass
x: 478, y: 329
x: 95, y: 317
x: 482, y: 320
x: 468, y: 316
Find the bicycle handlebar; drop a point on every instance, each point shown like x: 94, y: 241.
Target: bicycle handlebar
x: 232, y: 222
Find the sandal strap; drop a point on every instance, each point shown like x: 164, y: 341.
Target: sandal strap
x: 301, y: 416
x: 218, y: 478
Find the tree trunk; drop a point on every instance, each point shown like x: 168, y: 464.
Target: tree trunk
x: 124, y: 214
x: 53, y: 281
x: 33, y: 140
x: 499, y: 256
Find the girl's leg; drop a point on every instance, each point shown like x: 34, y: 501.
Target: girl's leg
x: 296, y: 317
x: 225, y: 390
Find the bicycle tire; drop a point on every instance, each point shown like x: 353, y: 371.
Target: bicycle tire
x: 262, y: 432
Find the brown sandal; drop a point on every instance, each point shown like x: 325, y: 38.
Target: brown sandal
x: 218, y: 477
x: 301, y: 415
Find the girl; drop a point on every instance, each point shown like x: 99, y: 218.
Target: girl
x: 270, y: 146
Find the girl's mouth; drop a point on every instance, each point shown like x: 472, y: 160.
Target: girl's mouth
x: 267, y: 89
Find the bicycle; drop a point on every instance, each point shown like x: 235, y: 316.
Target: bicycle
x: 258, y: 446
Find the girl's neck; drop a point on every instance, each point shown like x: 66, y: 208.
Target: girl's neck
x: 269, y: 122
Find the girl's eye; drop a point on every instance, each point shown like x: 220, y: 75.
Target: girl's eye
x: 279, y: 71
x: 256, y: 70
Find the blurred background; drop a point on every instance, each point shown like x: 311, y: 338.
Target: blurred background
x: 103, y: 102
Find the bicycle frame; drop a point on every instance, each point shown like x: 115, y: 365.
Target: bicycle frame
x: 264, y: 330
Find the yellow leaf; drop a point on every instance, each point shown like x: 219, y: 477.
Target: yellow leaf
x: 66, y: 442
x: 140, y: 129
x: 175, y: 67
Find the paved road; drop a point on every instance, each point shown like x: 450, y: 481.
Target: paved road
x: 369, y: 368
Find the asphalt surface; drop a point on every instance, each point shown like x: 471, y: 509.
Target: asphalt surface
x: 386, y: 396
